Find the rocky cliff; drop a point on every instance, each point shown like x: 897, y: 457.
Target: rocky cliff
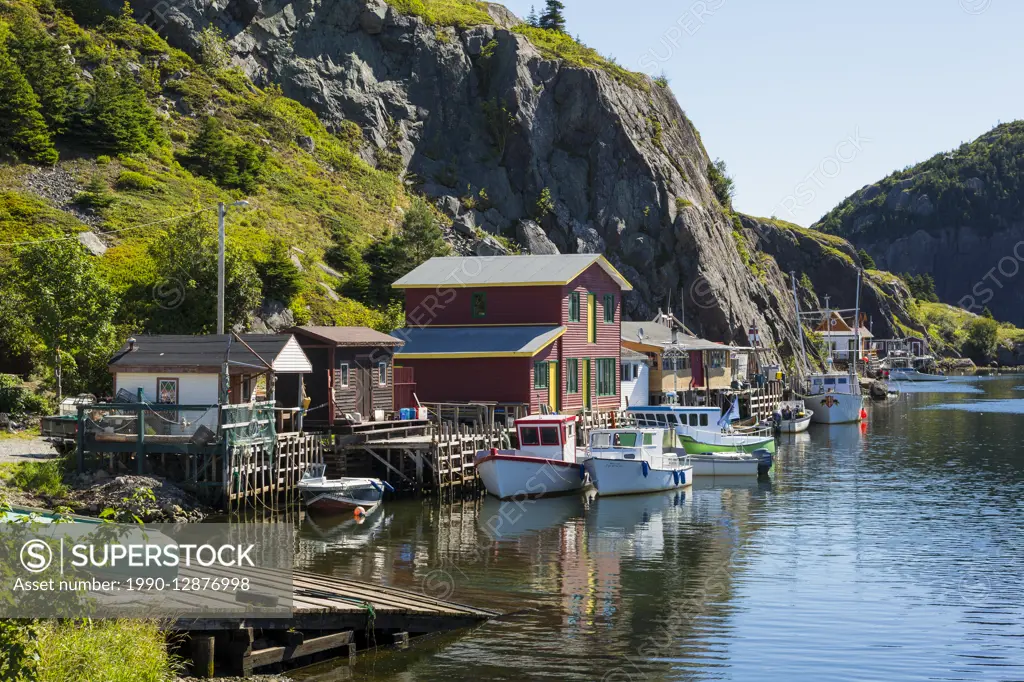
x: 498, y: 130
x: 957, y: 216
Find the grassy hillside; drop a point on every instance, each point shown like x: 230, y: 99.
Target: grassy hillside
x: 952, y: 329
x: 981, y: 184
x: 105, y: 128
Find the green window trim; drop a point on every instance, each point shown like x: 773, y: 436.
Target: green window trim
x: 609, y: 308
x: 574, y: 306
x: 606, y: 377
x: 540, y: 375
x: 478, y: 304
x: 572, y: 376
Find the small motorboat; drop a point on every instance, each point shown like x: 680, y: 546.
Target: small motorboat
x: 340, y: 494
x: 911, y: 374
x: 628, y: 461
x: 546, y: 462
x: 756, y: 463
x: 793, y: 417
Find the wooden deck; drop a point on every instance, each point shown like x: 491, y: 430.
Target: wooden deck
x: 332, y: 616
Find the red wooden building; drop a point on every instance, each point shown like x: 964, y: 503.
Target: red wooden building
x: 515, y: 329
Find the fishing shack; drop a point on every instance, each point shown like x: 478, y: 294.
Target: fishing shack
x: 218, y: 414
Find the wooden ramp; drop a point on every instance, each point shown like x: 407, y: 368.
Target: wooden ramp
x: 331, y: 617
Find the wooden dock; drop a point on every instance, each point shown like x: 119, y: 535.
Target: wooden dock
x: 332, y: 619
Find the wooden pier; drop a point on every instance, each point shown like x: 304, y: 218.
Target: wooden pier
x: 333, y: 618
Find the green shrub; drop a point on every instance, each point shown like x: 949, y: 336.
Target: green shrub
x: 120, y: 118
x: 228, y: 162
x: 460, y: 13
x: 102, y: 160
x: 107, y: 650
x: 682, y: 203
x: 558, y: 45
x: 131, y: 180
x: 722, y: 185
x: 545, y: 204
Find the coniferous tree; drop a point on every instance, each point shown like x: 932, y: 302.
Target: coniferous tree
x: 553, y: 17
x: 866, y: 260
x: 531, y: 18
x: 49, y: 69
x: 118, y: 116
x: 22, y: 126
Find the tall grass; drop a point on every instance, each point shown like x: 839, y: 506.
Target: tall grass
x: 40, y: 478
x: 558, y: 45
x: 461, y: 13
x: 103, y: 651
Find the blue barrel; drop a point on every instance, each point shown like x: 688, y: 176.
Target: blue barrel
x: 407, y: 414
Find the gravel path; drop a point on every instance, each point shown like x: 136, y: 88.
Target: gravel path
x: 23, y: 449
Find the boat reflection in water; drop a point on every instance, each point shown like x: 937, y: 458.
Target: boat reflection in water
x: 344, y: 531
x: 511, y: 519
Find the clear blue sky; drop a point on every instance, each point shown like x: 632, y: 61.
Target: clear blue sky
x: 776, y: 87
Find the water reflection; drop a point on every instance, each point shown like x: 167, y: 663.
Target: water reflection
x: 888, y: 550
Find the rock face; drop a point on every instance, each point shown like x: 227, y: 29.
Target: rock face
x: 599, y: 164
x: 956, y: 217
x: 831, y: 264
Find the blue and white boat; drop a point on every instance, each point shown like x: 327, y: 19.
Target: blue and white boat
x: 702, y: 430
x: 629, y: 461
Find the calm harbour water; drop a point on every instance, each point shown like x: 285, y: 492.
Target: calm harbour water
x: 888, y: 551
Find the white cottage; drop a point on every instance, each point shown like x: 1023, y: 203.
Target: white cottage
x: 186, y: 370
x: 636, y: 378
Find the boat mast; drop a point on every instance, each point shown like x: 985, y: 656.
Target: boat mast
x: 856, y: 327
x: 799, y: 324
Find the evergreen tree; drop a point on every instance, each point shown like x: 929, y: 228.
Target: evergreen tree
x: 723, y: 186
x: 281, y: 278
x: 49, y: 69
x: 119, y: 118
x: 986, y: 313
x: 866, y: 260
x: 215, y: 155
x: 22, y: 126
x: 531, y: 18
x: 553, y: 18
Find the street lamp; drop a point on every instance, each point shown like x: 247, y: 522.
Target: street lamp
x: 222, y: 210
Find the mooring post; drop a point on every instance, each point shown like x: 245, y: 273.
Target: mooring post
x: 80, y: 437
x: 202, y: 655
x: 140, y: 438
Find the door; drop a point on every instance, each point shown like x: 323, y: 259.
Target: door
x: 553, y: 385
x: 364, y: 386
x: 586, y: 383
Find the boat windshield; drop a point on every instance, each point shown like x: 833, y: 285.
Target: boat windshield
x: 544, y: 435
x: 614, y: 440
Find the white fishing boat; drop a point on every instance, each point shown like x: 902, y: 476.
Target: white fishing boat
x: 911, y: 374
x: 793, y: 416
x: 546, y: 462
x: 702, y: 429
x: 629, y: 461
x: 732, y: 463
x: 833, y: 397
x: 340, y: 494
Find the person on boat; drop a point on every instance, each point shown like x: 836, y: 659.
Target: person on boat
x: 787, y: 413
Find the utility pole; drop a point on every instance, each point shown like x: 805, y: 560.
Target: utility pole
x: 222, y: 211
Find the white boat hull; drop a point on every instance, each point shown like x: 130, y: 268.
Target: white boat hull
x: 725, y: 464
x: 834, y: 408
x: 342, y: 494
x: 916, y: 377
x: 509, y: 476
x: 796, y: 425
x: 626, y: 477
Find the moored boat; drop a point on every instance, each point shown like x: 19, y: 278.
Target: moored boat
x: 340, y: 494
x: 794, y: 417
x: 546, y: 462
x: 911, y: 374
x: 700, y: 429
x: 732, y: 463
x: 635, y: 460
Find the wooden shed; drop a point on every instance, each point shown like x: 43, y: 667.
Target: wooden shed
x: 353, y: 373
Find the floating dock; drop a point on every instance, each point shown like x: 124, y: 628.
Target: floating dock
x: 332, y: 619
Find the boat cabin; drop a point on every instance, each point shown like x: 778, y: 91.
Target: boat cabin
x: 831, y: 383
x: 679, y: 417
x: 630, y: 443
x: 548, y: 436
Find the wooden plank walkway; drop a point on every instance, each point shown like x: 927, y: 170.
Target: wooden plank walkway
x: 330, y: 617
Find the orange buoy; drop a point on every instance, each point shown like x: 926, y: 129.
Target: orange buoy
x: 863, y: 413
x: 359, y: 512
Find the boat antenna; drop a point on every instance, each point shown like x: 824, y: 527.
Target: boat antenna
x: 799, y: 324
x: 856, y: 326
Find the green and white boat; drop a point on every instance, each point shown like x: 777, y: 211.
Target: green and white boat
x: 698, y: 429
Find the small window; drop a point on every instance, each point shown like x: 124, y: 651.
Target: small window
x: 606, y: 376
x: 574, y: 306
x: 479, y: 304
x: 549, y: 435
x: 528, y: 436
x: 693, y: 420
x: 572, y: 375
x: 842, y: 382
x: 609, y: 308
x: 648, y: 439
x: 540, y: 375
x: 703, y: 420
x: 343, y: 375
x: 382, y: 373
x: 830, y: 382
x: 662, y: 419
x: 624, y: 440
